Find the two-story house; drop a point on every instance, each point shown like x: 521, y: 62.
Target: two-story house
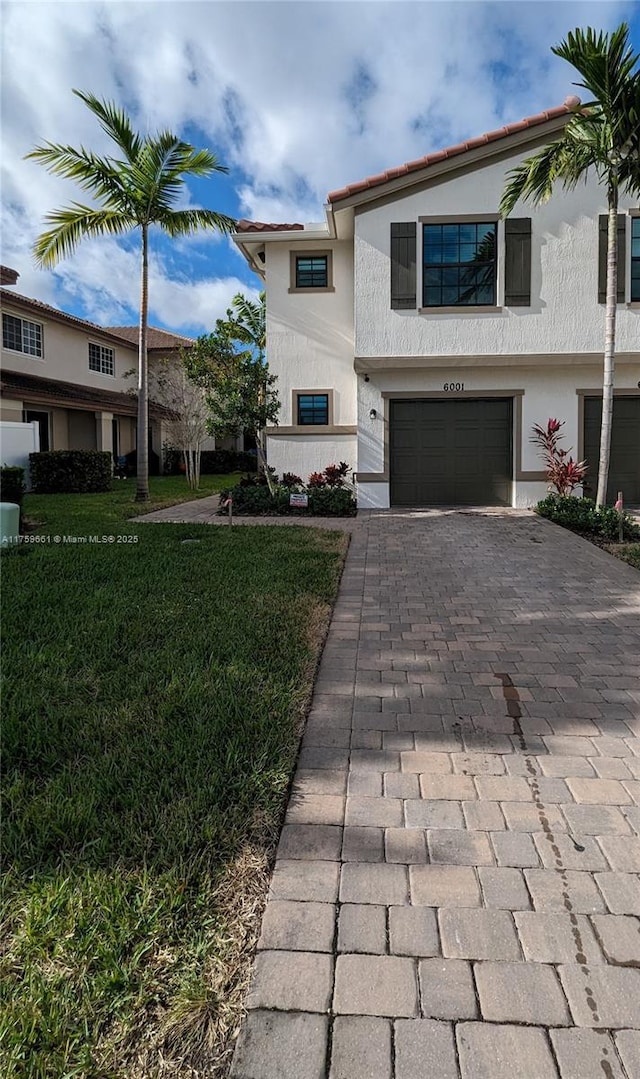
x: 418, y: 337
x: 73, y: 377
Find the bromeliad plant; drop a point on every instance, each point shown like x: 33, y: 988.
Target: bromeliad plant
x: 563, y: 473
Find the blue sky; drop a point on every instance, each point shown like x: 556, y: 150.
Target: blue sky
x: 296, y: 98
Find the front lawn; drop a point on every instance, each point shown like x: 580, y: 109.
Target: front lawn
x: 153, y: 699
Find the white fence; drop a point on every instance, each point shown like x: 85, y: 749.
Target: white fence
x: 17, y: 441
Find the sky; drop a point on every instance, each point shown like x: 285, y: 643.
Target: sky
x: 295, y: 97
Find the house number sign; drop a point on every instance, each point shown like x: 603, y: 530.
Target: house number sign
x: 453, y: 387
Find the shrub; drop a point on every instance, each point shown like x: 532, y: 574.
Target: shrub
x: 332, y: 502
x: 70, y: 471
x: 563, y: 473
x: 336, y: 475
x: 212, y: 462
x: 289, y: 479
x: 132, y: 463
x: 317, y: 479
x: 256, y: 499
x: 583, y: 516
x: 12, y: 484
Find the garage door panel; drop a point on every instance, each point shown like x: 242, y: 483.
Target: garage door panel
x: 453, y: 452
x: 624, y: 466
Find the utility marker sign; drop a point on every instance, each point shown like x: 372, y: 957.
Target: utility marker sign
x: 299, y: 499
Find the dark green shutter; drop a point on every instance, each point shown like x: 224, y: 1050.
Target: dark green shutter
x: 517, y: 285
x: 403, y: 265
x: 602, y: 257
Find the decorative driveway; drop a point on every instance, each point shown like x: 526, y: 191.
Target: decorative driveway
x: 457, y: 887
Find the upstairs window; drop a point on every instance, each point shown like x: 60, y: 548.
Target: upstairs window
x: 635, y: 259
x: 21, y: 336
x: 311, y: 271
x: 460, y: 264
x: 313, y: 409
x: 101, y: 360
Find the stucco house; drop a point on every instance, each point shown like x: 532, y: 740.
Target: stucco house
x: 418, y: 337
x: 68, y: 375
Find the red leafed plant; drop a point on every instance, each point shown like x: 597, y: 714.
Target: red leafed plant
x: 317, y: 479
x: 333, y: 476
x: 564, y: 474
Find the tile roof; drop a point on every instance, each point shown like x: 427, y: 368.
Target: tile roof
x: 261, y: 226
x: 8, y: 276
x: 155, y: 338
x: 54, y: 312
x: 449, y: 152
x: 33, y: 387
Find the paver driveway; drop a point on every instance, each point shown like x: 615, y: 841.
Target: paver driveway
x: 457, y: 890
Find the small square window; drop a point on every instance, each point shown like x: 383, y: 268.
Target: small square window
x: 311, y: 271
x: 313, y: 409
x: 101, y: 360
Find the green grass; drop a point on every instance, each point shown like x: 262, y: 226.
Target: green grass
x: 153, y: 699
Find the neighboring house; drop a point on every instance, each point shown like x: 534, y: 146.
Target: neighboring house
x: 69, y: 375
x: 418, y: 337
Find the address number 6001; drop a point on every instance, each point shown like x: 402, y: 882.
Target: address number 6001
x: 452, y: 387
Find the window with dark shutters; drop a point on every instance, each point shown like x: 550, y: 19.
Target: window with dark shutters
x: 517, y: 271
x: 602, y: 257
x: 403, y: 266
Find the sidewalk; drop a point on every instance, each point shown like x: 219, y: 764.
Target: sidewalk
x: 457, y: 889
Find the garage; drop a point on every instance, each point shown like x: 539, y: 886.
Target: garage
x: 624, y: 464
x: 451, y: 452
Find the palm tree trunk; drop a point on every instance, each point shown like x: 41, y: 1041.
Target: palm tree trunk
x: 609, y: 345
x: 142, y: 486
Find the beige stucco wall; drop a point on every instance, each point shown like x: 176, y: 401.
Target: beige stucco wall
x: 11, y: 410
x: 564, y: 316
x: 66, y: 353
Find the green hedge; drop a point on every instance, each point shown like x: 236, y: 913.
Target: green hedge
x: 583, y: 516
x: 12, y: 484
x: 255, y: 499
x: 212, y: 462
x: 70, y: 471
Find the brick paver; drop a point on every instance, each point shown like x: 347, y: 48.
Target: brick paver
x: 457, y: 886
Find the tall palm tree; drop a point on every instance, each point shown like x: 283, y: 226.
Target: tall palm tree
x: 602, y: 135
x: 249, y: 321
x: 136, y: 190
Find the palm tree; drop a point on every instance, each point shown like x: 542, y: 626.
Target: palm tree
x: 136, y: 190
x: 602, y: 135
x: 248, y: 320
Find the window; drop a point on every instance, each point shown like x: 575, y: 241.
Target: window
x: 635, y: 259
x: 313, y: 409
x: 311, y: 271
x: 101, y: 359
x: 459, y: 264
x: 21, y: 336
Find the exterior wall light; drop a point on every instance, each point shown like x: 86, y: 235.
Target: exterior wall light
x: 372, y: 414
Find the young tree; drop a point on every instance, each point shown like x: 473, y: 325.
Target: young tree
x: 172, y: 387
x: 603, y: 136
x: 136, y: 190
x: 230, y: 366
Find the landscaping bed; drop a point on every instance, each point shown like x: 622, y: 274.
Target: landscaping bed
x: 601, y: 526
x: 155, y: 689
x: 326, y: 494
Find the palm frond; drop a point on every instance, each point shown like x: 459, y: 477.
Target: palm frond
x: 72, y: 224
x: 90, y: 172
x: 605, y: 63
x: 534, y: 178
x: 249, y: 320
x: 114, y: 122
x: 186, y: 222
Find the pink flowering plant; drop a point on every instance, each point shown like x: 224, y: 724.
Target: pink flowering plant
x: 563, y: 473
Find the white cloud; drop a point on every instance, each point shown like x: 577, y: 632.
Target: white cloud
x: 297, y: 98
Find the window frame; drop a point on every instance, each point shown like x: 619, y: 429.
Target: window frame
x: 294, y: 255
x: 464, y: 219
x: 39, y: 326
x: 459, y: 219
x: 295, y: 409
x: 103, y: 349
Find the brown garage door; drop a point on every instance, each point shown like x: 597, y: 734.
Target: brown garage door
x: 452, y: 453
x: 624, y: 465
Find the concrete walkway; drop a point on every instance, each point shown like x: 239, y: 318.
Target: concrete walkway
x: 457, y: 889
